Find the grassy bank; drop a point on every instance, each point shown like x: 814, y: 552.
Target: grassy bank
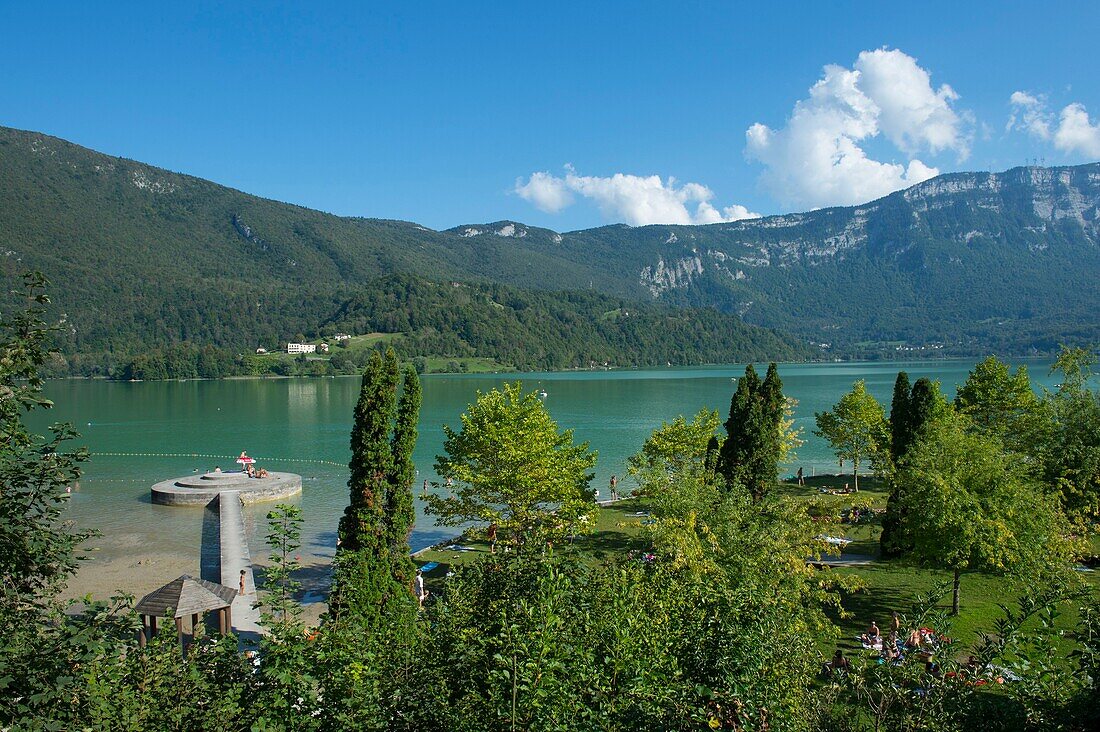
x: 887, y: 585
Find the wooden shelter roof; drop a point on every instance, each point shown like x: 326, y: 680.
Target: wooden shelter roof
x: 186, y: 596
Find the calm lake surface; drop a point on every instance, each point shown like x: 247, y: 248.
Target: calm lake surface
x: 141, y: 433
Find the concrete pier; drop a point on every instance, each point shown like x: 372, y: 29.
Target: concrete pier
x: 198, y: 490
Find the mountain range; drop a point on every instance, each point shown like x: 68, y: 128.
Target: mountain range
x: 963, y: 263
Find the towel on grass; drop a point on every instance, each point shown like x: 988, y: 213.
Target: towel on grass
x: 429, y: 567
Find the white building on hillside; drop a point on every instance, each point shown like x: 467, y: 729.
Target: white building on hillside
x: 301, y: 348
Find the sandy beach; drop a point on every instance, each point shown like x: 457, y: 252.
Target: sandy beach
x: 140, y: 573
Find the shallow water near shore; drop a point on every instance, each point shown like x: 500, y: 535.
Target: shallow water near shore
x: 142, y: 433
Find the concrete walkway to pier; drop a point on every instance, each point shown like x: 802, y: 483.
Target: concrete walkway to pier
x: 235, y: 557
x: 225, y: 554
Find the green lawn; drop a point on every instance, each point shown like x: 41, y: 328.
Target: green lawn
x: 617, y: 531
x: 465, y: 365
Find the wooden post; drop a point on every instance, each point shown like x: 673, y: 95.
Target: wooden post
x: 221, y: 621
x: 152, y: 626
x: 194, y: 626
x: 229, y: 619
x: 143, y: 631
x: 179, y: 629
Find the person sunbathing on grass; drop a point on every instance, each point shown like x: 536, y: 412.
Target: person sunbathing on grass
x: 836, y: 665
x: 873, y: 635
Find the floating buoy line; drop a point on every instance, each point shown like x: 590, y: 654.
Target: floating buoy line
x: 227, y: 458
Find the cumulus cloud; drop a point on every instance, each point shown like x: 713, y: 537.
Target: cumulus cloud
x: 636, y: 200
x: 545, y: 191
x: 1074, y: 132
x: 911, y: 114
x: 818, y: 160
x: 1029, y: 114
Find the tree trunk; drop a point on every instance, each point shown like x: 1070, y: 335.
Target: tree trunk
x: 955, y: 594
x: 855, y: 475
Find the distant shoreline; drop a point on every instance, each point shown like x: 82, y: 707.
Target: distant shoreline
x: 577, y: 369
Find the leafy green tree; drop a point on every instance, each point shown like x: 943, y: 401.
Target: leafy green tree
x: 676, y: 446
x: 673, y: 476
x: 973, y: 506
x: 856, y: 428
x: 510, y: 465
x: 37, y: 549
x: 1067, y: 440
x: 1000, y: 403
x: 287, y: 676
x: 284, y: 537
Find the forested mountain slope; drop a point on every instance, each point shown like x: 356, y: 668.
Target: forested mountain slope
x: 141, y: 258
x: 971, y: 261
x: 140, y: 255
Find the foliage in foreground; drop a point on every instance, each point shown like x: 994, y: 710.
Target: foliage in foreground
x: 714, y: 628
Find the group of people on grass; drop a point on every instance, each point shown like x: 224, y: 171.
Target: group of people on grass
x: 892, y: 648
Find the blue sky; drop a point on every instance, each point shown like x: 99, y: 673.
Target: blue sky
x: 432, y: 111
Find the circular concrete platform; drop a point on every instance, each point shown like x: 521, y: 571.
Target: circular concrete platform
x: 198, y: 490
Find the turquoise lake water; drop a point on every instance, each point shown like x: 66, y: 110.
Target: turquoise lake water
x: 142, y: 433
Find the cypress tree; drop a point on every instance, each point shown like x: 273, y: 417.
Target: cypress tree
x: 920, y: 405
x: 372, y: 564
x: 750, y: 453
x: 731, y: 459
x: 899, y: 417
x: 371, y: 457
x: 923, y: 403
x: 400, y: 514
x: 710, y: 462
x: 772, y: 403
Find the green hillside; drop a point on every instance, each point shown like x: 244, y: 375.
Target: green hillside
x: 143, y: 258
x: 158, y: 274
x: 453, y: 326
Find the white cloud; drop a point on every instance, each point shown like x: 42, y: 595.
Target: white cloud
x: 636, y: 200
x: 1029, y: 114
x: 545, y: 191
x: 911, y: 114
x: 817, y: 159
x: 1074, y: 133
